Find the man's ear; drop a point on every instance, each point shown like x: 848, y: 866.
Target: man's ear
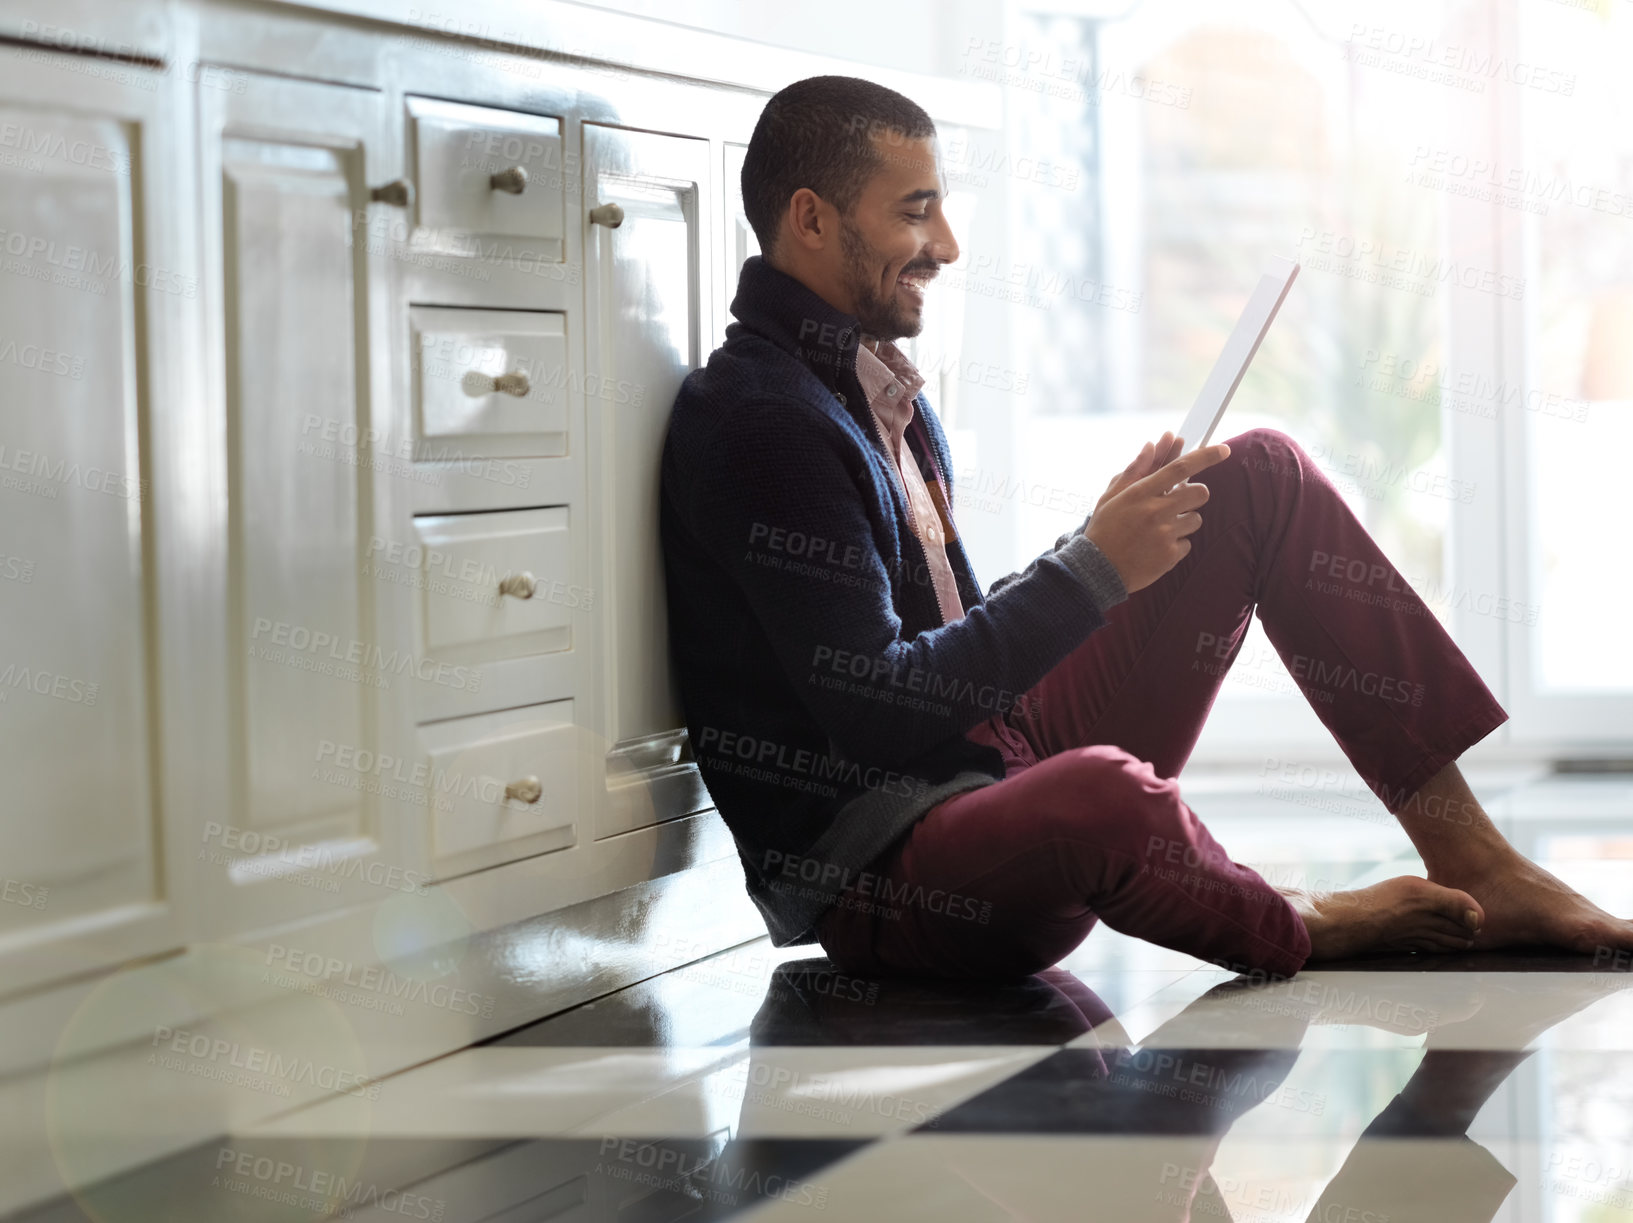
x: 810, y: 220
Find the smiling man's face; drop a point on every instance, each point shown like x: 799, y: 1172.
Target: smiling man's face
x: 876, y: 262
x: 896, y: 240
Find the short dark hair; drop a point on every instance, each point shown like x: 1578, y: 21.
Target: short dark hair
x: 818, y: 133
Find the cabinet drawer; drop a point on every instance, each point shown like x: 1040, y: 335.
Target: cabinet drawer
x: 489, y: 383
x: 497, y: 584
x: 479, y: 170
x: 502, y: 786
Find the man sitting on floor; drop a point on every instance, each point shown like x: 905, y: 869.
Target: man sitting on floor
x: 930, y: 779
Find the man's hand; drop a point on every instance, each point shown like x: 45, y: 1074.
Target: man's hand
x: 1147, y: 461
x: 1142, y: 521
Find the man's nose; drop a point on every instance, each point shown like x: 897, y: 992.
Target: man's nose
x: 943, y: 246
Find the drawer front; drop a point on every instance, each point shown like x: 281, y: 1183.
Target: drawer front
x: 478, y: 170
x: 489, y: 382
x: 501, y: 786
x: 497, y: 585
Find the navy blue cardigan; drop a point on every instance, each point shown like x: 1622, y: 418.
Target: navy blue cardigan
x: 825, y: 701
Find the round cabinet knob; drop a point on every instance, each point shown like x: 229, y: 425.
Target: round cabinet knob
x: 399, y: 193
x: 526, y: 790
x: 512, y: 384
x: 513, y: 180
x: 610, y: 215
x: 521, y: 585
x: 477, y: 384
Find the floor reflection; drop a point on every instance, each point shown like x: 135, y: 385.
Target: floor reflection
x: 1189, y: 1081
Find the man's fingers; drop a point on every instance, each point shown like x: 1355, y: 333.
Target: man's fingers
x: 1167, y: 450
x: 1188, y: 496
x: 1151, y: 457
x: 1141, y: 460
x: 1184, y: 467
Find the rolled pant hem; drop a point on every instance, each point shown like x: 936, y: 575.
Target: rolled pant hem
x: 1282, y: 964
x: 1465, y: 737
x: 1271, y: 955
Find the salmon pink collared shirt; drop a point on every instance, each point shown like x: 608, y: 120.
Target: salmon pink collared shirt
x: 890, y: 381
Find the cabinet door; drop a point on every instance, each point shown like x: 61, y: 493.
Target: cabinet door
x: 648, y: 312
x: 318, y: 671
x: 90, y: 291
x: 739, y: 239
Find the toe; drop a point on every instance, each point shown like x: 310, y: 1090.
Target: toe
x: 1459, y: 940
x: 1460, y: 907
x: 1440, y: 925
x: 1430, y: 944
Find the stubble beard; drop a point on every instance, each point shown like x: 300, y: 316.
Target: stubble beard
x: 882, y: 317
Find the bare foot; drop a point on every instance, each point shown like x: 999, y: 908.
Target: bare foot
x: 1527, y: 906
x: 1401, y: 914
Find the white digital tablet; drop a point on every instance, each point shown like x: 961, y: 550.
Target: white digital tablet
x: 1233, y: 361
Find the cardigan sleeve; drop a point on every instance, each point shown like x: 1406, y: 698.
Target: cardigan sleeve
x: 777, y: 470
x: 1090, y: 564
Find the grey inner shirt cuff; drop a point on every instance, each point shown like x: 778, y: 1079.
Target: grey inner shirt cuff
x: 1083, y: 556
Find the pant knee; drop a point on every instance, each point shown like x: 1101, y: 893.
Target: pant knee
x: 1099, y: 792
x: 1116, y: 802
x: 1267, y: 451
x: 1263, y: 440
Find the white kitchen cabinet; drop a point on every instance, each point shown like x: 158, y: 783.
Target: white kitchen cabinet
x: 90, y: 289
x: 492, y: 281
x: 490, y: 383
x: 320, y: 675
x: 503, y: 584
x: 739, y: 240
x: 501, y: 786
x: 271, y: 279
x: 481, y: 170
x: 648, y: 309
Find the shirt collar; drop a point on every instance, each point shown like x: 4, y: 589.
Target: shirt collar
x: 879, y: 372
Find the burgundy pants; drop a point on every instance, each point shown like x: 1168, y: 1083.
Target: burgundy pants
x: 1088, y: 823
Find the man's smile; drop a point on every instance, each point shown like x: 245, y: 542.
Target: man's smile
x: 913, y: 281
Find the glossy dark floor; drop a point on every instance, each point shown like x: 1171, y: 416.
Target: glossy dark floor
x: 1130, y: 1083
